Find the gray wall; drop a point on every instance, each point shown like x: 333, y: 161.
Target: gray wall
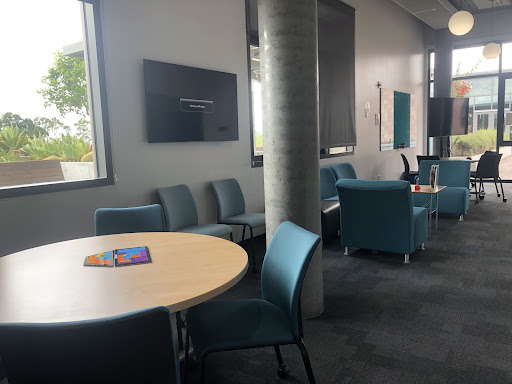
x: 210, y: 34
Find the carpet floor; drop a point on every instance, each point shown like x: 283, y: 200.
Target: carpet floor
x: 444, y: 318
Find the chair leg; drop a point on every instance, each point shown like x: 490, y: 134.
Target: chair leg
x: 406, y: 261
x: 461, y: 218
x: 496, y: 185
x: 502, y: 192
x: 254, y: 269
x: 282, y: 370
x: 203, y: 369
x: 423, y: 246
x: 179, y: 326
x: 185, y: 367
x: 307, y: 363
x: 243, y: 233
x: 231, y: 236
x: 346, y: 251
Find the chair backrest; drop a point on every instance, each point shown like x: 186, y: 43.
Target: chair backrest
x: 377, y: 212
x: 284, y: 267
x: 421, y: 158
x: 489, y: 165
x: 179, y: 207
x: 327, y: 183
x: 452, y: 173
x: 230, y: 199
x: 344, y: 171
x: 406, y: 165
x: 110, y: 221
x: 137, y: 347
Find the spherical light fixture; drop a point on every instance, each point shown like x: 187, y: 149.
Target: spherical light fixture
x: 461, y: 23
x: 491, y: 51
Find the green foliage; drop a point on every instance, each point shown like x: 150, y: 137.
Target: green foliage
x: 83, y: 129
x: 51, y: 126
x: 474, y: 143
x: 10, y: 119
x: 10, y: 156
x: 87, y: 158
x: 66, y: 85
x: 65, y: 148
x: 12, y: 138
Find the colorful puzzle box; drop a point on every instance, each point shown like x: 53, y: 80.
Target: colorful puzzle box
x: 131, y: 256
x: 105, y: 259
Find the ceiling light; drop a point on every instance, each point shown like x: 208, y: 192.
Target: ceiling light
x: 461, y: 23
x: 492, y: 50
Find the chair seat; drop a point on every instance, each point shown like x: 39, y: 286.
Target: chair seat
x: 217, y: 230
x: 334, y: 198
x: 251, y: 219
x: 237, y: 324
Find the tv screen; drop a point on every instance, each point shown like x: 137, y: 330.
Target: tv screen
x: 189, y: 104
x: 448, y: 116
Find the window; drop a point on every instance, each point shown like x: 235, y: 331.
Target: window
x: 506, y: 57
x: 476, y: 78
x: 54, y: 132
x: 335, y: 140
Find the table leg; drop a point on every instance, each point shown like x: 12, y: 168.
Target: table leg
x: 430, y: 215
x: 437, y: 208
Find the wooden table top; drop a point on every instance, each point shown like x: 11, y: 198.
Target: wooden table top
x: 50, y: 283
x: 427, y: 189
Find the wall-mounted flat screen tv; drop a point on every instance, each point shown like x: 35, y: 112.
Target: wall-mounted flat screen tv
x: 189, y: 104
x: 448, y: 116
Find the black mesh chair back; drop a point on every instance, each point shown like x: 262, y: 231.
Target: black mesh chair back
x: 406, y: 164
x: 420, y: 158
x: 488, y: 166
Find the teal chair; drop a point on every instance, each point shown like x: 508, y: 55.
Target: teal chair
x: 148, y: 218
x: 231, y: 209
x: 132, y: 348
x: 455, y: 175
x: 273, y: 320
x: 181, y: 213
x: 327, y: 184
x: 344, y: 171
x: 379, y: 215
x: 110, y: 221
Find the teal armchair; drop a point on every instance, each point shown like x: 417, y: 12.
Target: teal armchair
x: 379, y: 215
x: 344, y: 171
x: 455, y: 175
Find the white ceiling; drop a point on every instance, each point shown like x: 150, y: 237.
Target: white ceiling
x: 436, y: 13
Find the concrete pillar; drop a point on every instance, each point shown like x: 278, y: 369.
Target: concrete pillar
x: 289, y: 77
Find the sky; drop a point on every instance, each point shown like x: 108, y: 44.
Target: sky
x: 27, y: 43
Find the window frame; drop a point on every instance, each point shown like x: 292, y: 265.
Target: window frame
x: 68, y: 185
x: 257, y: 160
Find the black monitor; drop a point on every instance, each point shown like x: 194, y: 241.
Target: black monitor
x: 448, y: 116
x: 189, y: 104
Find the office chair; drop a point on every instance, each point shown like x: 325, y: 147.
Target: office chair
x: 181, y: 213
x: 132, y: 348
x: 273, y: 320
x: 488, y: 168
x: 231, y: 209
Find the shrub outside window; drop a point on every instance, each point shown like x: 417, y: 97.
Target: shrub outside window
x: 54, y: 132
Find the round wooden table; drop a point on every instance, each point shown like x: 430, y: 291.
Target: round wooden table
x: 50, y: 283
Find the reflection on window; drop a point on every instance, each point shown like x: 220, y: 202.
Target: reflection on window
x: 50, y: 108
x: 506, y: 50
x: 257, y: 108
x: 470, y: 61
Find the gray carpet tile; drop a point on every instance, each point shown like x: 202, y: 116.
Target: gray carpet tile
x: 444, y: 318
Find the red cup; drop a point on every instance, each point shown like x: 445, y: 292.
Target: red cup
x: 417, y: 187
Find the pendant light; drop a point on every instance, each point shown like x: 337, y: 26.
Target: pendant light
x: 461, y: 22
x: 492, y: 50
